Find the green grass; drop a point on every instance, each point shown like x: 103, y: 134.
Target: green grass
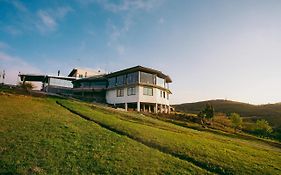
x: 38, y: 136
x: 216, y: 153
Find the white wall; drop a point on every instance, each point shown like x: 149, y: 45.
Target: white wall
x: 111, y: 97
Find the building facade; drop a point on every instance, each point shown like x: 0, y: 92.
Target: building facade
x: 139, y: 88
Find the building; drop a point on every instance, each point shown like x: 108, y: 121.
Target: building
x: 58, y: 84
x: 137, y: 88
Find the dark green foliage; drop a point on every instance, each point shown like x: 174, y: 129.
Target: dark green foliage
x: 263, y: 128
x: 207, y: 113
x: 236, y: 121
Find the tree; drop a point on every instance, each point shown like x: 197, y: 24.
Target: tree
x: 207, y: 113
x: 236, y: 121
x: 26, y: 85
x: 262, y: 127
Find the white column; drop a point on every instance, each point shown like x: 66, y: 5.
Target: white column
x: 126, y: 106
x: 161, y: 108
x: 156, y: 108
x: 149, y: 109
x: 138, y: 106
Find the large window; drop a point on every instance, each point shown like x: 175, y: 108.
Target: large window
x: 120, y: 80
x: 148, y: 91
x: 132, y: 78
x: 112, y: 82
x: 131, y: 91
x: 160, y: 82
x: 147, y: 78
x: 120, y: 92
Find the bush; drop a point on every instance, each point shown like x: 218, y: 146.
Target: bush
x: 26, y: 85
x: 263, y: 128
x: 236, y: 121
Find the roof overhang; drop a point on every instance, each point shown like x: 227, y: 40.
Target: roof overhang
x: 42, y: 78
x: 143, y: 69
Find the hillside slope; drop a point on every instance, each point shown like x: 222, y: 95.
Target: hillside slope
x: 270, y: 112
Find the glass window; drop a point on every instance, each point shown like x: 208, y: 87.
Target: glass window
x: 132, y: 78
x: 120, y: 92
x: 112, y: 82
x: 160, y: 93
x: 160, y: 82
x: 147, y: 78
x: 120, y: 80
x: 131, y: 91
x: 148, y: 91
x: 164, y: 94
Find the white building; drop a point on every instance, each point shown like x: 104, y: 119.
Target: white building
x: 139, y: 88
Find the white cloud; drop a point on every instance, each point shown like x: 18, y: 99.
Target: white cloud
x: 13, y: 65
x: 126, y: 5
x: 19, y: 5
x: 47, y: 20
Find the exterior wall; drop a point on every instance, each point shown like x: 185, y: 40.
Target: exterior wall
x: 111, y: 97
x: 156, y: 98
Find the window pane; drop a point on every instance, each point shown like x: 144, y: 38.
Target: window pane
x: 132, y: 78
x: 111, y: 82
x: 148, y: 91
x: 131, y: 91
x: 160, y: 82
x: 120, y: 92
x: 147, y: 78
x: 120, y: 80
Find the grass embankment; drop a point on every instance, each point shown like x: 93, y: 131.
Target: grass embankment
x: 216, y: 153
x: 38, y: 136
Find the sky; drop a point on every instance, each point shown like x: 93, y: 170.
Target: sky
x: 212, y: 49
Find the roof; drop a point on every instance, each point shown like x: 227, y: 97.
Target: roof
x: 143, y: 69
x: 42, y: 78
x: 92, y: 78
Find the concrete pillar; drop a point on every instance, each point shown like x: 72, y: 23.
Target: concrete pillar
x: 143, y: 109
x: 138, y: 106
x: 169, y: 109
x: 161, y: 109
x: 126, y: 106
x: 149, y: 109
x: 156, y: 108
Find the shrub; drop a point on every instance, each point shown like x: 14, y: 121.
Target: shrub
x: 263, y: 128
x: 236, y: 121
x: 26, y: 85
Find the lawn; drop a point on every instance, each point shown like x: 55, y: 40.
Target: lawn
x: 213, y: 152
x: 38, y: 136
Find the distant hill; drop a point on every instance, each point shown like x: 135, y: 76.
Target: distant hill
x: 270, y: 112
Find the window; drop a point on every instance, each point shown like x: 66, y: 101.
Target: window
x: 132, y: 78
x: 164, y: 94
x: 160, y: 93
x: 120, y: 92
x: 147, y: 91
x: 131, y: 91
x: 120, y: 80
x: 160, y: 82
x: 112, y: 82
x: 147, y: 78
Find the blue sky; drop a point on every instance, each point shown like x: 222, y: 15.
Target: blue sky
x: 212, y: 49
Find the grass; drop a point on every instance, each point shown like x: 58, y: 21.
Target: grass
x: 215, y: 153
x: 37, y: 136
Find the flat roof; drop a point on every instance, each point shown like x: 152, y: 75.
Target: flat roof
x: 42, y: 78
x: 143, y: 69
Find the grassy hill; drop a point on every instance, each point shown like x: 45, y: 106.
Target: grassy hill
x: 270, y: 112
x: 59, y: 136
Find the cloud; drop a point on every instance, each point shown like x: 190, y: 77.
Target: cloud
x: 48, y: 19
x: 125, y: 5
x: 13, y: 65
x: 18, y: 5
